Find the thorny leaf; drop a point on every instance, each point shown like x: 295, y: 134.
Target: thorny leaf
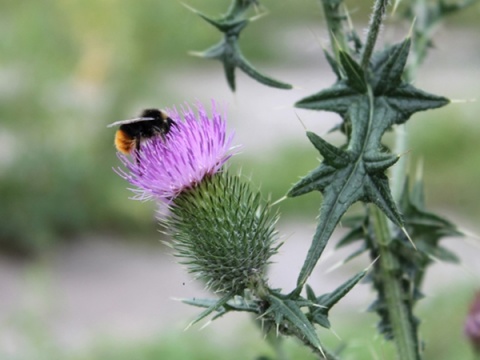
x: 370, y: 103
x: 288, y: 314
x: 228, y: 50
x: 425, y: 228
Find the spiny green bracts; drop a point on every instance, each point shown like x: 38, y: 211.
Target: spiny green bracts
x: 224, y: 233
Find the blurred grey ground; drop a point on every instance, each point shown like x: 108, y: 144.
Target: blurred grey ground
x: 98, y: 288
x: 103, y: 287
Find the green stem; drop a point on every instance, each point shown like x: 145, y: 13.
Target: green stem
x: 421, y: 37
x: 403, y: 330
x: 388, y: 269
x: 238, y: 8
x: 416, y: 57
x: 400, y: 168
x: 334, y: 18
x: 373, y: 30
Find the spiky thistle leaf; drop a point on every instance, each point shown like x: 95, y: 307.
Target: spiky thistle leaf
x: 370, y: 103
x: 228, y: 50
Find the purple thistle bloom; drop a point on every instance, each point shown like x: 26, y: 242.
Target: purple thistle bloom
x: 195, y: 147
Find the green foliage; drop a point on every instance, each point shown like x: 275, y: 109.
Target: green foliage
x: 426, y: 228
x: 228, y: 51
x: 52, y: 190
x: 370, y: 103
x: 425, y: 17
x: 225, y: 236
x: 372, y: 94
x: 291, y: 315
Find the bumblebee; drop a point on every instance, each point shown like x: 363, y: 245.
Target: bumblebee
x: 131, y: 133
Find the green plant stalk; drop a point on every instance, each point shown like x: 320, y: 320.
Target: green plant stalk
x: 416, y: 57
x: 338, y: 41
x: 404, y: 335
x: 420, y: 45
x: 373, y: 30
x: 237, y: 8
x: 400, y: 168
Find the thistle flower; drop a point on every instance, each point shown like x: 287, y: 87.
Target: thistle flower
x: 196, y: 147
x: 220, y: 228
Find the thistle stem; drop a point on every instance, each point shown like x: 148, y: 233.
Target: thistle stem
x: 416, y: 56
x: 390, y: 277
x: 400, y: 169
x: 373, y: 30
x: 388, y: 268
x: 338, y: 40
x: 238, y: 8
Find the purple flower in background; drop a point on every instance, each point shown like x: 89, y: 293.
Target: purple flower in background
x: 472, y: 323
x: 195, y: 147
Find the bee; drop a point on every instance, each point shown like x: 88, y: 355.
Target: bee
x: 131, y: 133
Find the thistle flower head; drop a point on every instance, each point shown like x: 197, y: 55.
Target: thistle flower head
x: 195, y: 147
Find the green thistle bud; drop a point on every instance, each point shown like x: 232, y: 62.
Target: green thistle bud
x: 223, y: 233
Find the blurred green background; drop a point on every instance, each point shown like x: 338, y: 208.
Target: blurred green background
x: 68, y: 68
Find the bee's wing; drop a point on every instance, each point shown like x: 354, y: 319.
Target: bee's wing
x: 130, y: 121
